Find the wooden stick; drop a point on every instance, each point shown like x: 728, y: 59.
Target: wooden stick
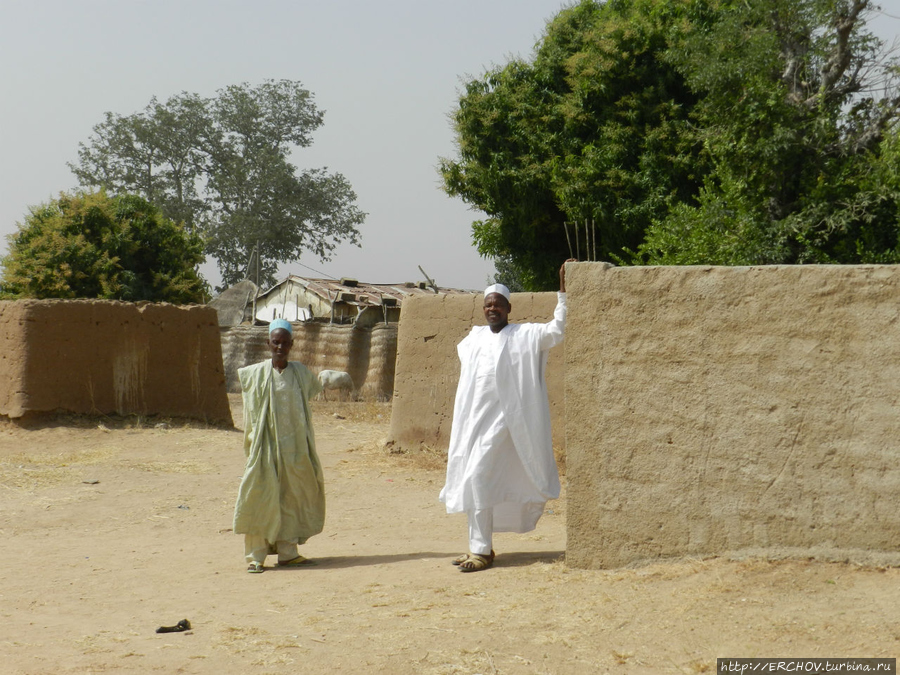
x: 587, y: 244
x: 587, y: 241
x: 577, y: 243
x: 568, y: 241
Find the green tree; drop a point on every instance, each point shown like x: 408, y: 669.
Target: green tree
x: 796, y: 111
x: 89, y: 245
x: 157, y: 154
x: 508, y: 274
x: 594, y: 129
x: 222, y: 167
x: 686, y: 131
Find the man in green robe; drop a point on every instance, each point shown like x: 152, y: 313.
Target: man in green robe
x: 281, y: 501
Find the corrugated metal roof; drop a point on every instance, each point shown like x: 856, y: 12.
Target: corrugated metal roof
x: 360, y: 293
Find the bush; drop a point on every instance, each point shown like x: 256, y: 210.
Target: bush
x: 90, y: 245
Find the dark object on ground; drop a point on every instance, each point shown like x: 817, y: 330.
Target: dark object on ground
x: 182, y: 625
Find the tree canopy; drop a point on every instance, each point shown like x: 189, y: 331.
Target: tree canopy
x: 222, y: 166
x: 90, y: 245
x: 798, y: 115
x: 686, y: 131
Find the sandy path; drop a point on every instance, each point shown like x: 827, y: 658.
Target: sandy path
x: 92, y: 568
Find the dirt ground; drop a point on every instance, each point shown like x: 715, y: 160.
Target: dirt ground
x: 116, y: 527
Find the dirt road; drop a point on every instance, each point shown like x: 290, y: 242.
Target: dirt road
x: 116, y: 528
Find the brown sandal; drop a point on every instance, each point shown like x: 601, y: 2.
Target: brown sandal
x: 297, y: 562
x: 476, y: 562
x: 461, y: 559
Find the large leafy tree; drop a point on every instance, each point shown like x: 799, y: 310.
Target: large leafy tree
x: 687, y: 131
x: 799, y: 117
x: 90, y: 245
x: 222, y: 166
x: 593, y: 130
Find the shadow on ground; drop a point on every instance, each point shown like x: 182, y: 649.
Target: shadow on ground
x: 525, y: 558
x: 516, y: 559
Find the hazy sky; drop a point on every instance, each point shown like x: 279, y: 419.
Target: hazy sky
x: 387, y: 75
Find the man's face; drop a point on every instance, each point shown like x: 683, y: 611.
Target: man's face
x: 280, y: 343
x: 496, y: 311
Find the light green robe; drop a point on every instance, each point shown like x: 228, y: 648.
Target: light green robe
x: 282, y: 493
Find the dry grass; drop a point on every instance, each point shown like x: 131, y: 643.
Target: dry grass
x: 424, y: 457
x: 267, y: 649
x: 368, y: 412
x: 187, y: 466
x: 32, y: 471
x: 238, y: 639
x: 461, y: 662
x: 53, y: 420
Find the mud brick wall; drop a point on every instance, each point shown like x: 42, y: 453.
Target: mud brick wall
x: 104, y: 357
x: 749, y: 409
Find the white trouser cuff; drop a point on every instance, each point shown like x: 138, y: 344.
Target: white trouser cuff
x: 481, y: 531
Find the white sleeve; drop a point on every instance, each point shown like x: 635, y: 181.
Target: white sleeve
x: 552, y: 333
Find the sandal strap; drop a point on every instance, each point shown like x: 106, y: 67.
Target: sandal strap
x: 477, y: 562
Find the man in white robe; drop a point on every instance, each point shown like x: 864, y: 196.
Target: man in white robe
x: 500, y: 465
x: 281, y: 500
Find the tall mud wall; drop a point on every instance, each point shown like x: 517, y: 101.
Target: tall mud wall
x: 428, y: 365
x: 103, y: 357
x: 715, y: 410
x: 367, y: 354
x: 13, y: 351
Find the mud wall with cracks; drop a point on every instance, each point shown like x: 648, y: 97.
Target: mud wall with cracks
x: 745, y: 410
x: 104, y: 357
